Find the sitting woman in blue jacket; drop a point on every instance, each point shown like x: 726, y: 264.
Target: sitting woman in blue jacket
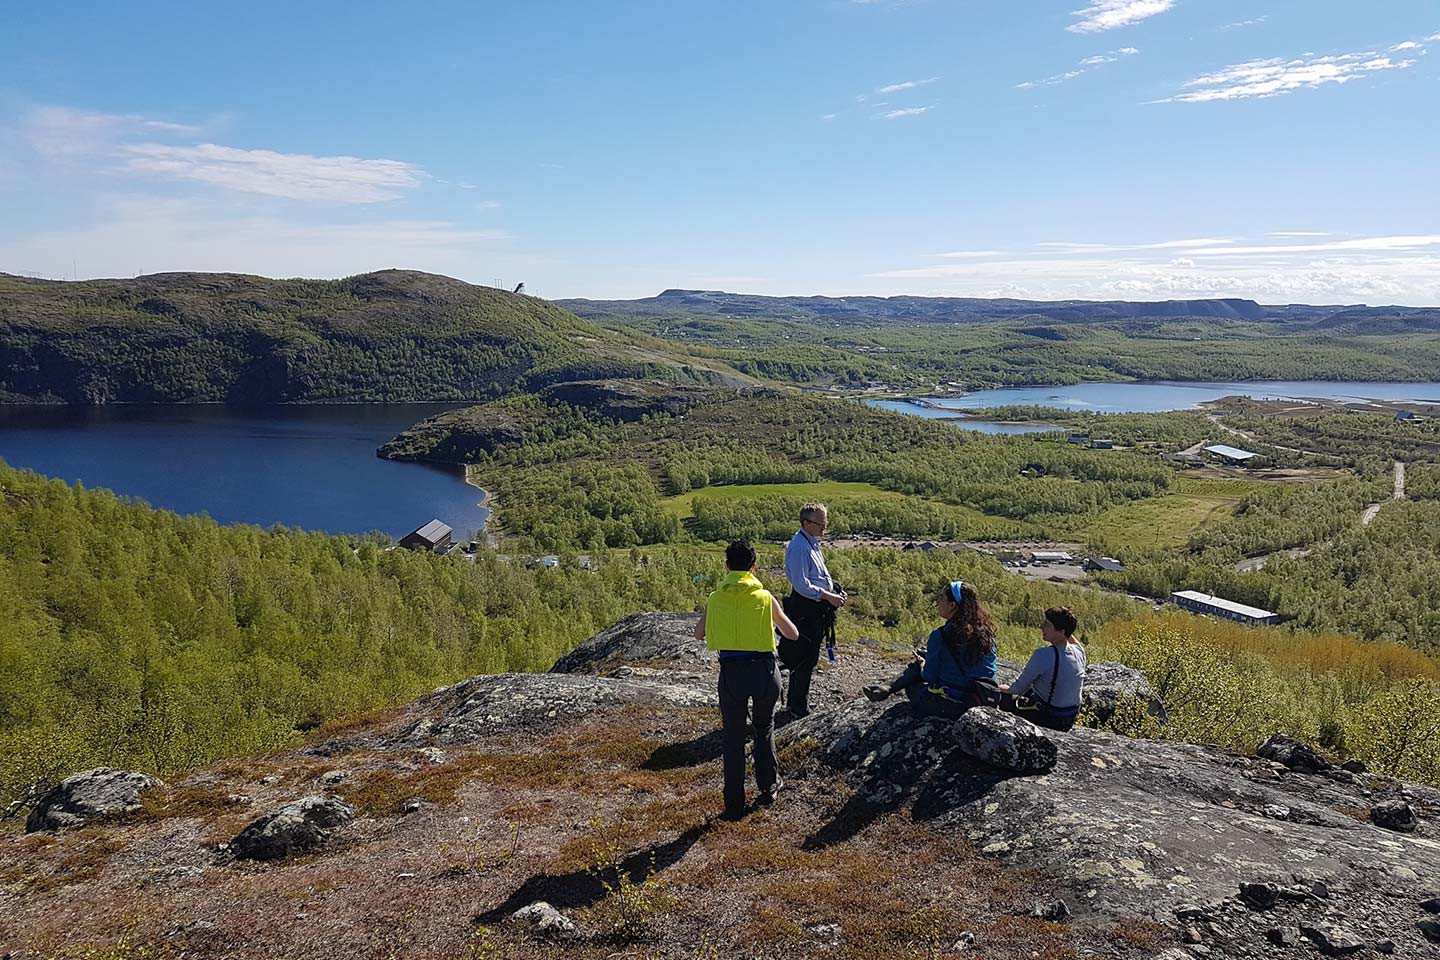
x: 957, y: 671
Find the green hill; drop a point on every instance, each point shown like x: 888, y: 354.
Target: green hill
x: 389, y: 336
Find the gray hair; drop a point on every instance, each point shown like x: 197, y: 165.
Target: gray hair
x: 808, y: 512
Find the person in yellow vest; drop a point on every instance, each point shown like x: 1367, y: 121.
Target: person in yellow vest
x: 739, y: 622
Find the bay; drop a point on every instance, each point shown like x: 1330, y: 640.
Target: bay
x: 311, y: 467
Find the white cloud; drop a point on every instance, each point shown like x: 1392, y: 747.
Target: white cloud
x: 1297, y: 233
x: 907, y: 85
x: 965, y: 254
x: 1086, y: 65
x: 907, y: 112
x: 143, y: 233
x: 64, y: 133
x: 293, y: 176
x: 1276, y: 77
x: 489, y: 205
x: 1360, y: 244
x: 830, y: 116
x: 1396, y: 269
x: 1110, y: 14
x: 1239, y: 24
x: 1068, y: 247
x: 1407, y: 45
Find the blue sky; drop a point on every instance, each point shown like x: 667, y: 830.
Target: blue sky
x: 1285, y: 150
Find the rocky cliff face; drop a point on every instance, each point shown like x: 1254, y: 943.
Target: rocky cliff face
x: 508, y: 815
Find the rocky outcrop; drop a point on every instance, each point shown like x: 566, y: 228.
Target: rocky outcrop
x: 546, y: 921
x: 665, y: 640
x: 1294, y: 754
x: 298, y: 827
x: 1004, y: 740
x: 627, y: 400
x: 91, y: 795
x: 1147, y: 828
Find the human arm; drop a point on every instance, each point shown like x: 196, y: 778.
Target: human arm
x: 700, y: 627
x: 784, y: 624
x: 1028, y: 676
x: 930, y: 663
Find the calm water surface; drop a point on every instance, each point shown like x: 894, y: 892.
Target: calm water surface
x: 1159, y: 396
x: 312, y: 467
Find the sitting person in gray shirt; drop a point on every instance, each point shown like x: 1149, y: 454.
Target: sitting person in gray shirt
x: 1047, y: 692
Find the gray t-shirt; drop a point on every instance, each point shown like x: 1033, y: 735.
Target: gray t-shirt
x: 1035, y: 678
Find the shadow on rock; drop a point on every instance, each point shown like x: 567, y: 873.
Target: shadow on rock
x: 894, y: 759
x: 584, y: 888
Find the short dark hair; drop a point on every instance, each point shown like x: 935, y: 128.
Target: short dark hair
x: 740, y: 555
x: 1063, y: 619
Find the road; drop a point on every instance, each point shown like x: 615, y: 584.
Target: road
x: 1245, y: 436
x: 1372, y: 511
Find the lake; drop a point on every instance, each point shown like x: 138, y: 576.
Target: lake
x: 1159, y: 396
x: 312, y: 467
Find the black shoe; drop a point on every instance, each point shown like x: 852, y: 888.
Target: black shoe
x: 730, y: 816
x: 876, y: 693
x: 767, y: 797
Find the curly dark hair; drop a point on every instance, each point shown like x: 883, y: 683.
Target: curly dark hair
x: 970, y: 633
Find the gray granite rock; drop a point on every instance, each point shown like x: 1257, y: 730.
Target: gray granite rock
x: 90, y: 795
x: 297, y: 827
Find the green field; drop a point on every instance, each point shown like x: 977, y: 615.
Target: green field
x: 823, y: 490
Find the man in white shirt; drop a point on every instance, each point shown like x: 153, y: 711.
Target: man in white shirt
x: 1047, y: 692
x: 812, y: 603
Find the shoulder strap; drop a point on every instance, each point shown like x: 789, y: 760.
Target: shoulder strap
x: 1054, y: 676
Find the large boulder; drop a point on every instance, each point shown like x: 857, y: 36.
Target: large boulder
x: 662, y: 639
x: 1295, y: 754
x: 297, y: 827
x: 1004, y: 740
x: 91, y: 795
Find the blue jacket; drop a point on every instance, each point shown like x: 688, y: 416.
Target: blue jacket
x: 942, y: 670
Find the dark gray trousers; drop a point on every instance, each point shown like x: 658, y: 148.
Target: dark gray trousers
x: 741, y: 683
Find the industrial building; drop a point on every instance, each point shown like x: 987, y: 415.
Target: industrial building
x: 1206, y: 605
x: 1232, y: 455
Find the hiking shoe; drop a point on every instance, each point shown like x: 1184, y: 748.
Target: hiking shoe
x: 767, y: 797
x: 876, y: 693
x: 731, y: 816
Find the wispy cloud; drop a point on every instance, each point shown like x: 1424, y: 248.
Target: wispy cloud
x: 1111, y: 14
x: 907, y: 85
x: 1241, y: 24
x: 1256, y: 79
x: 293, y: 176
x: 1088, y: 64
x: 1297, y: 233
x: 1374, y: 269
x: 489, y: 205
x: 906, y: 112
x: 61, y: 133
x: 1068, y: 247
x: 968, y: 254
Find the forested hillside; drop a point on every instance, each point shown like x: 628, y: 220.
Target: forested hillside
x: 389, y: 336
x: 917, y: 341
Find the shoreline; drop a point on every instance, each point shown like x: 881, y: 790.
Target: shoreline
x: 487, y: 503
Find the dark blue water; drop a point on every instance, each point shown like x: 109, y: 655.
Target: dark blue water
x: 311, y: 467
x: 948, y: 413
x: 1159, y: 396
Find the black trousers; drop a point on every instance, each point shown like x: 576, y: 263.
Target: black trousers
x: 743, y: 683
x: 813, y: 620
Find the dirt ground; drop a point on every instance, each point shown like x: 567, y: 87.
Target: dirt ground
x: 612, y: 819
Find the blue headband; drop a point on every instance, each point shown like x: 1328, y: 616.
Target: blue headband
x: 957, y: 588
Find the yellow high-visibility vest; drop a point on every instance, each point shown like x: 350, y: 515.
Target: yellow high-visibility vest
x: 738, y: 615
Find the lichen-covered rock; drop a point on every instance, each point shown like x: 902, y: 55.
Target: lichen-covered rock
x: 1004, y: 740
x: 666, y: 639
x: 1295, y: 754
x: 297, y: 827
x: 545, y: 920
x: 90, y: 795
x: 1334, y: 941
x: 510, y: 703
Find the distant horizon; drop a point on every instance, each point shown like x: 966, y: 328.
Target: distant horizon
x: 741, y: 293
